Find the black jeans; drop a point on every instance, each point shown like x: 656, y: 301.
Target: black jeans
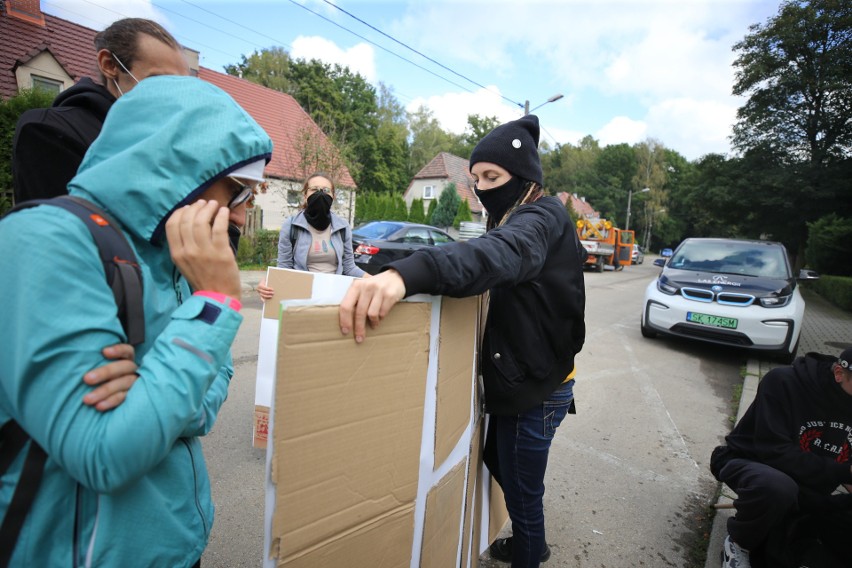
x: 516, y: 451
x: 768, y: 522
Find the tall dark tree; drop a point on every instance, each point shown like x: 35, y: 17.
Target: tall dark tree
x: 796, y: 126
x: 795, y: 71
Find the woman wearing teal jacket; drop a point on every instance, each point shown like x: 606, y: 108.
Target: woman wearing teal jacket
x: 129, y: 487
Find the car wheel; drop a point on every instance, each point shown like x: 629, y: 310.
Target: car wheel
x: 787, y: 357
x: 599, y: 265
x: 647, y: 332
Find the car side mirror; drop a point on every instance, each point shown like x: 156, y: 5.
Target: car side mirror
x: 805, y: 274
x: 659, y: 262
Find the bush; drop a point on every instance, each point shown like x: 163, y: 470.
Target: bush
x: 415, y: 213
x: 463, y: 214
x: 835, y: 289
x: 829, y: 245
x: 259, y: 249
x: 448, y: 205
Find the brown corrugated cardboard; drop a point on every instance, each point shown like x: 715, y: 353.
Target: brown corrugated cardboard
x: 457, y: 346
x: 376, y: 449
x: 444, y: 505
x: 348, y: 423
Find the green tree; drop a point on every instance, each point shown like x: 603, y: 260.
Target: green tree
x: 795, y: 128
x: 477, y: 127
x: 448, y: 204
x: 400, y: 210
x: 428, y: 139
x: 433, y: 206
x: 268, y: 67
x: 795, y: 71
x: 462, y: 213
x: 415, y: 212
x: 829, y: 242
x: 10, y: 110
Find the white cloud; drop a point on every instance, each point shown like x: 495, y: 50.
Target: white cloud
x: 622, y: 130
x: 360, y: 58
x: 692, y: 127
x: 452, y: 109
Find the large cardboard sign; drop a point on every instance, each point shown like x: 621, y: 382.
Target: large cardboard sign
x: 374, y: 453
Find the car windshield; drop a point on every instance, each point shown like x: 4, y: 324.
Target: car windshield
x: 731, y: 257
x: 377, y: 230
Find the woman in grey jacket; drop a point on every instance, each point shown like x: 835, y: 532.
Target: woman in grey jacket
x: 315, y: 239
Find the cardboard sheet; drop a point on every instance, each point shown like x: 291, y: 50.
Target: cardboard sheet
x: 338, y: 399
x: 375, y: 453
x: 456, y: 351
x: 444, y: 507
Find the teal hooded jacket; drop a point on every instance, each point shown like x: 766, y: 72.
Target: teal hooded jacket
x: 127, y: 487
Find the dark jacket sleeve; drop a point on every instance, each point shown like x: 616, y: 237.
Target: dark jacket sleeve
x: 776, y: 439
x: 505, y: 256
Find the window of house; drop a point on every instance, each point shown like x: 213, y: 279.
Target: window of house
x: 45, y: 84
x: 294, y: 197
x: 429, y: 192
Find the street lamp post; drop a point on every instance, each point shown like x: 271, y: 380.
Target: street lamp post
x: 629, y: 199
x: 552, y: 99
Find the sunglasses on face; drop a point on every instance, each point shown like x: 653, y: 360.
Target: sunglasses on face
x: 242, y: 194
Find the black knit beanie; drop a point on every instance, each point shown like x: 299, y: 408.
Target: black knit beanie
x: 513, y: 146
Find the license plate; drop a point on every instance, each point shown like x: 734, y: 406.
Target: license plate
x: 715, y: 321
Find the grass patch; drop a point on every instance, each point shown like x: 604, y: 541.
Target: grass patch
x: 252, y: 266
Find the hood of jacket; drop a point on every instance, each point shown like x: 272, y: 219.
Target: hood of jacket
x: 162, y: 145
x: 814, y: 370
x: 86, y: 94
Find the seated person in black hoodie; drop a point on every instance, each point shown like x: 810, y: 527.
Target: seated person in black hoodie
x: 786, y: 460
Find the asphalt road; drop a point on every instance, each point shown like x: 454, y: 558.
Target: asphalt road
x: 628, y: 481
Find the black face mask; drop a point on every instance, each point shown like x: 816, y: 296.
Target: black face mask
x: 498, y: 200
x: 318, y: 210
x: 234, y: 237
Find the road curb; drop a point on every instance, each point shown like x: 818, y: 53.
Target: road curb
x: 720, y: 528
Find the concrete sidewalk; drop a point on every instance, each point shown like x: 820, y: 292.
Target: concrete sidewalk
x: 825, y: 329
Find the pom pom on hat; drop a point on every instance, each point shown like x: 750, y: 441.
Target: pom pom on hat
x: 513, y: 146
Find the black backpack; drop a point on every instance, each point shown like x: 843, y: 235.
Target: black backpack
x: 125, y: 278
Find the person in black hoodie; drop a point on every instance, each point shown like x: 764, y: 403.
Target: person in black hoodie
x: 49, y: 143
x: 530, y: 261
x: 786, y: 460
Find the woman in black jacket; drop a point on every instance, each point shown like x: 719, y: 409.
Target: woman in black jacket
x: 531, y: 263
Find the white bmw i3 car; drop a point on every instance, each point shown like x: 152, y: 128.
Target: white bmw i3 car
x: 730, y: 292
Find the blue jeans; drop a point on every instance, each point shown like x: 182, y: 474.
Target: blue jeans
x: 516, y: 450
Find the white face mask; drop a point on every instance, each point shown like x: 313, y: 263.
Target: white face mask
x: 126, y: 70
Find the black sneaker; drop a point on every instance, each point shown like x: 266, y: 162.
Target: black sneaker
x: 502, y: 550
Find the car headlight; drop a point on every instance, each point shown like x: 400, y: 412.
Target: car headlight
x: 666, y: 288
x: 775, y: 301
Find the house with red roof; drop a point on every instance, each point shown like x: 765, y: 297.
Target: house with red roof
x: 434, y: 177
x: 581, y: 207
x: 41, y: 50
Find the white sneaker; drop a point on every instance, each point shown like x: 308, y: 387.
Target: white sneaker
x: 733, y: 556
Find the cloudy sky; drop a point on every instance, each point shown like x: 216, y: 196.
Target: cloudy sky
x: 628, y: 70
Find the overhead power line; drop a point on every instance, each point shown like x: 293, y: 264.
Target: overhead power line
x: 423, y: 55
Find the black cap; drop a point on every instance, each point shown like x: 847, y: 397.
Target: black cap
x: 513, y: 146
x: 845, y: 359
